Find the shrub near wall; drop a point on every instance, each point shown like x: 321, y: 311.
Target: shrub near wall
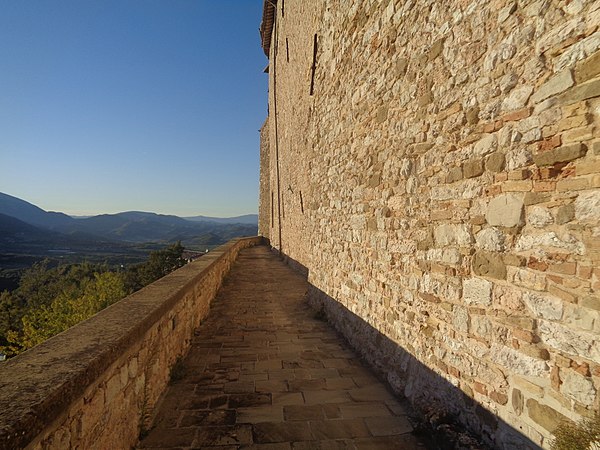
x: 96, y: 384
x: 449, y: 162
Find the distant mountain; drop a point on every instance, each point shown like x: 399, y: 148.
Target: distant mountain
x: 249, y: 219
x: 126, y: 227
x: 31, y: 214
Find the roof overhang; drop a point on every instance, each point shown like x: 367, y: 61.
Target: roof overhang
x: 266, y: 26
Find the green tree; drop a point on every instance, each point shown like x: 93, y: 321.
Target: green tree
x: 71, y: 306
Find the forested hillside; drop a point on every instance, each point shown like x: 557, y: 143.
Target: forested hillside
x: 51, y: 299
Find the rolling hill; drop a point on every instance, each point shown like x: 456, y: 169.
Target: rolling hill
x: 132, y: 227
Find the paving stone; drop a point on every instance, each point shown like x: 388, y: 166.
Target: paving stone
x: 260, y: 414
x: 337, y: 429
x: 303, y: 412
x: 288, y: 398
x: 388, y: 426
x: 354, y: 410
x: 282, y: 432
x: 264, y: 374
x: 223, y: 435
x: 212, y: 417
x: 320, y: 397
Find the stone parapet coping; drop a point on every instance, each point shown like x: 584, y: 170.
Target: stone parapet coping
x: 39, y: 386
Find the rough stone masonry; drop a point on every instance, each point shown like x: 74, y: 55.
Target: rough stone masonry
x: 436, y: 168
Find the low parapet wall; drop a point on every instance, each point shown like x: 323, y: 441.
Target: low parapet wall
x: 96, y: 384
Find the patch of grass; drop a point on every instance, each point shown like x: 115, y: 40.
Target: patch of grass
x: 584, y: 435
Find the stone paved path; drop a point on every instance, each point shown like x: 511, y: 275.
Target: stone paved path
x: 264, y: 373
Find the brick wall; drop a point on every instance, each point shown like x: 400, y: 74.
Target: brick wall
x: 448, y: 162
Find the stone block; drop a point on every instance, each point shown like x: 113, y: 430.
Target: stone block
x: 505, y: 210
x: 490, y: 239
x: 454, y: 174
x: 477, y: 291
x: 460, y: 318
x: 587, y: 207
x: 473, y: 168
x: 539, y: 217
x: 564, y: 214
x: 495, y: 162
x: 518, y: 362
x: 589, y: 89
x: 578, y: 387
x: 544, y: 415
x: 565, y: 153
x: 517, y: 98
x: 544, y: 306
x: 486, y: 145
x: 452, y: 234
x: 588, y: 68
x: 489, y: 265
x: 436, y: 49
x: 555, y: 85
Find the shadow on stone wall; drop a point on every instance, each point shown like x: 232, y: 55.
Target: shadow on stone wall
x: 442, y: 405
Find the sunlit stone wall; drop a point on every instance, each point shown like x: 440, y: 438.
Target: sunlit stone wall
x: 442, y: 183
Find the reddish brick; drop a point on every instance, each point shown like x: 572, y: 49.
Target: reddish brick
x: 567, y: 268
x: 454, y: 371
x: 584, y: 272
x: 546, y: 173
x: 517, y: 115
x: 549, y: 143
x: 499, y: 397
x: 555, y: 378
x: 544, y: 186
x: 480, y: 387
x: 494, y: 190
x: 502, y: 176
x: 536, y: 264
x: 583, y: 368
x: 525, y: 335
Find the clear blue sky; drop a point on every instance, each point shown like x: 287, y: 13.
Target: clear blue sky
x: 116, y: 105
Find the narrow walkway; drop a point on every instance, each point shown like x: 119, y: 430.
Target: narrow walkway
x: 264, y: 373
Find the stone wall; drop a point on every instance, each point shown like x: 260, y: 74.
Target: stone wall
x: 441, y: 182
x: 264, y: 197
x: 96, y: 384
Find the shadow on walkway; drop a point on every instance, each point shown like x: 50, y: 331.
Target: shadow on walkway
x: 264, y: 372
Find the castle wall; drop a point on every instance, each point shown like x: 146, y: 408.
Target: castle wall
x: 264, y: 197
x: 442, y: 187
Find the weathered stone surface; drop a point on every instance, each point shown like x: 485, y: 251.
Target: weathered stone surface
x: 565, y: 213
x: 486, y: 145
x: 477, y: 291
x: 495, y: 162
x: 555, y: 85
x: 497, y: 92
x: 473, y: 168
x: 562, y: 154
x: 544, y: 306
x: 580, y: 92
x: 487, y: 264
x: 518, y: 362
x: 451, y: 234
x: 506, y: 210
x: 546, y: 416
x: 578, y: 387
x: 539, y: 217
x: 588, y: 68
x: 490, y: 239
x: 517, y: 401
x: 517, y: 98
x: 587, y: 207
